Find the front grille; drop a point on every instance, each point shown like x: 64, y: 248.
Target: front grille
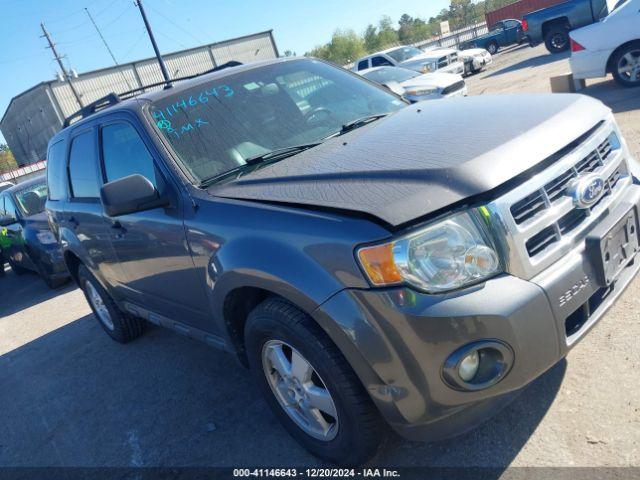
x: 453, y: 88
x: 570, y: 221
x: 534, y: 204
x: 538, y: 219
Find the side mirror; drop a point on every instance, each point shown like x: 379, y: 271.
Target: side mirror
x: 394, y: 87
x: 134, y: 193
x: 7, y: 220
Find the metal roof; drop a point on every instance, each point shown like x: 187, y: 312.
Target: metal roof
x: 120, y: 66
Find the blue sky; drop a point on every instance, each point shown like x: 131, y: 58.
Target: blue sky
x: 298, y: 26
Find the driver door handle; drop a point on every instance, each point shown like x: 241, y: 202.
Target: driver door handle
x: 116, y: 225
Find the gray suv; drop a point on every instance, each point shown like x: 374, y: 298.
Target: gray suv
x: 373, y: 263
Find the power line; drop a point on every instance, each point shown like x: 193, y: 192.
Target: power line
x: 113, y: 57
x: 178, y: 26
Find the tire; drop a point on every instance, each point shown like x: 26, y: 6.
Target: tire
x: 119, y: 325
x: 557, y: 39
x: 17, y: 269
x: 621, y: 59
x: 493, y: 48
x: 357, y: 430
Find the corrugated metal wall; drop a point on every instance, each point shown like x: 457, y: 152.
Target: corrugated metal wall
x: 27, y: 130
x: 518, y: 10
x: 29, y: 125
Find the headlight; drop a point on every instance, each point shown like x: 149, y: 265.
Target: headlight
x: 45, y: 237
x: 429, y: 67
x: 445, y: 255
x: 421, y: 91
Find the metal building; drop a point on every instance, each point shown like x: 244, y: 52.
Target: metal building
x: 35, y: 115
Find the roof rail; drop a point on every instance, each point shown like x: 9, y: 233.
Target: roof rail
x: 92, y: 108
x: 114, y: 98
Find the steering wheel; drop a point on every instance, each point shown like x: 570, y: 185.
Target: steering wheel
x: 318, y: 115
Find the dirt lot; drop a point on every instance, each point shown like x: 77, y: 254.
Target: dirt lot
x: 72, y: 397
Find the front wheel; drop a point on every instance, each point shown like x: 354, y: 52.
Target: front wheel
x: 492, y: 48
x: 626, y: 65
x: 17, y: 269
x: 310, y: 386
x: 557, y: 39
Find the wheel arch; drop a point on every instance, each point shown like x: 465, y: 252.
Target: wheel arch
x: 558, y: 21
x: 609, y: 65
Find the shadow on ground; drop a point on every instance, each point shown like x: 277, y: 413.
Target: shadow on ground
x: 532, y: 62
x: 19, y: 292
x: 619, y: 99
x: 73, y: 397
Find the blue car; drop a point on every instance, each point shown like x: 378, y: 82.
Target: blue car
x: 502, y: 34
x: 27, y: 241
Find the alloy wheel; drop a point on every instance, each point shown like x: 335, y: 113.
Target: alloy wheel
x: 100, y: 308
x: 299, y: 390
x: 629, y: 66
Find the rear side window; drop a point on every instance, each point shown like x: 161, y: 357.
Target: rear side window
x: 56, y: 171
x: 124, y: 153
x: 380, y: 62
x: 83, y: 167
x: 363, y: 64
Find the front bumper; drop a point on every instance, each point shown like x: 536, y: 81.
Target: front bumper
x: 398, y: 339
x: 480, y: 62
x: 51, y: 262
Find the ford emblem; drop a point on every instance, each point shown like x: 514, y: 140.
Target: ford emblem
x: 586, y: 190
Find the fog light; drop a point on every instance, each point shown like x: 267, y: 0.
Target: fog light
x: 477, y: 365
x: 469, y: 366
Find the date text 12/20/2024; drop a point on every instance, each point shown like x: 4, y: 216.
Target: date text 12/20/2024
x: 316, y: 472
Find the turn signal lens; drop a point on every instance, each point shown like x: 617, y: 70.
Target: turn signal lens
x: 379, y: 265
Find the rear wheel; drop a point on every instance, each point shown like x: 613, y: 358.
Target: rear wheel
x: 626, y: 65
x: 120, y: 326
x: 492, y: 48
x: 310, y: 386
x: 557, y: 39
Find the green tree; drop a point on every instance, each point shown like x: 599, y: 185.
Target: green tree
x: 345, y: 47
x: 289, y: 53
x: 387, y: 35
x: 371, y: 40
x: 7, y: 160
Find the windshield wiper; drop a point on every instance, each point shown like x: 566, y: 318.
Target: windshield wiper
x: 281, y: 153
x: 251, y: 162
x: 358, y: 122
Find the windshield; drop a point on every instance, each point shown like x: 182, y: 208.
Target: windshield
x: 404, y: 53
x: 390, y: 74
x: 216, y: 126
x: 31, y: 199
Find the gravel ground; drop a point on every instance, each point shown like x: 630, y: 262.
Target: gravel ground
x: 72, y: 397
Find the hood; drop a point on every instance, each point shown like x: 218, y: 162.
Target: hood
x: 422, y: 159
x: 38, y: 221
x: 440, y: 80
x: 426, y: 57
x: 472, y: 52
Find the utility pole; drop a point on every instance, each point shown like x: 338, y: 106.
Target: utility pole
x: 113, y: 57
x: 163, y: 67
x: 58, y: 58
